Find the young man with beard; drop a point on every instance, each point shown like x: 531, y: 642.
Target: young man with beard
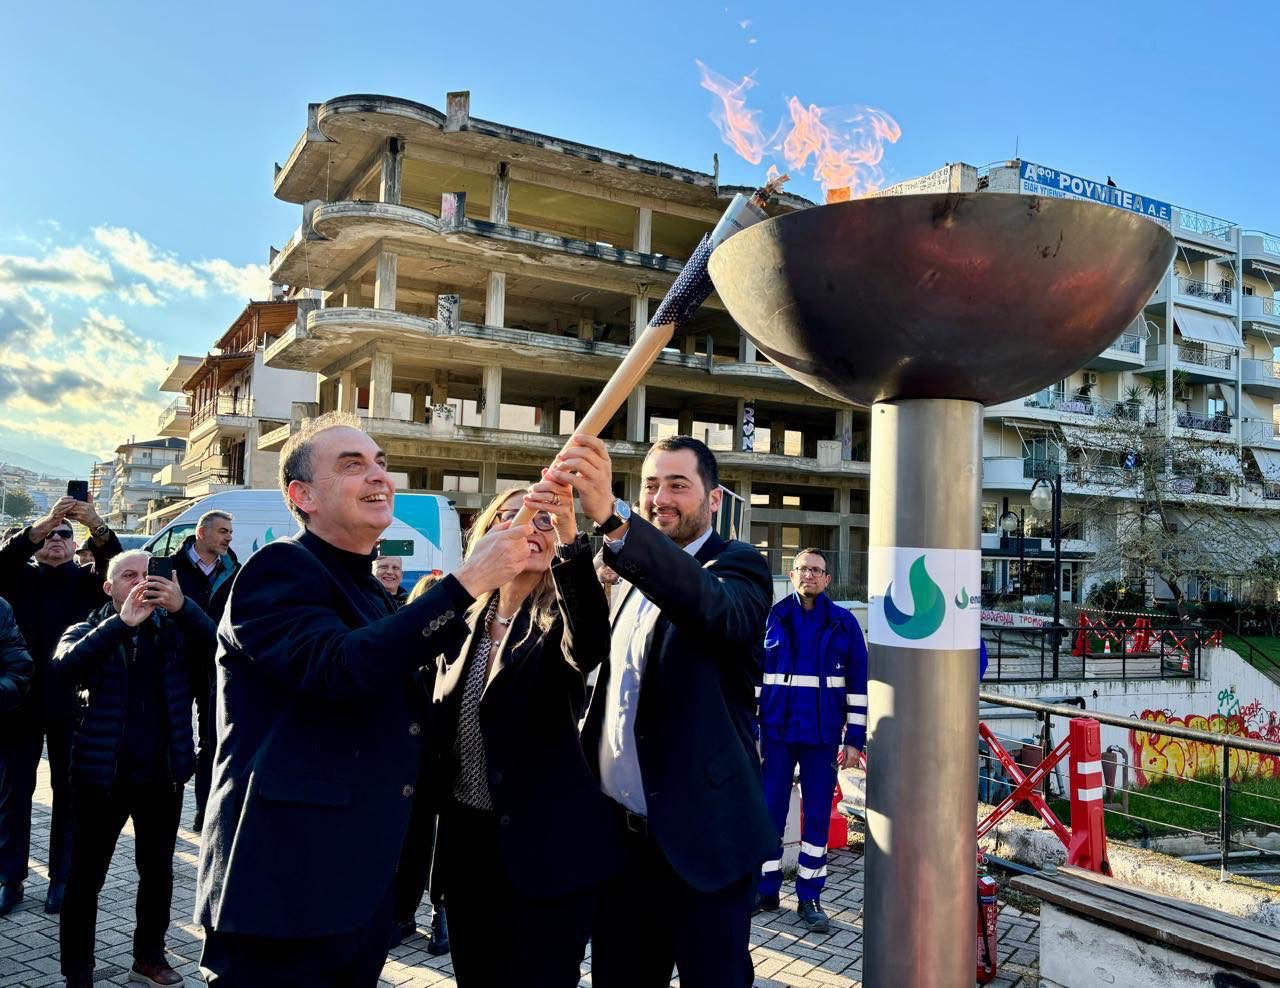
x: 813, y: 700
x: 49, y: 591
x: 204, y: 566
x: 131, y: 756
x: 669, y: 728
x: 319, y: 739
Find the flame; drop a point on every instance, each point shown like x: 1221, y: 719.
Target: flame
x: 844, y: 144
x: 738, y: 125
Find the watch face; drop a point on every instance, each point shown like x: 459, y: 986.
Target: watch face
x: 622, y: 509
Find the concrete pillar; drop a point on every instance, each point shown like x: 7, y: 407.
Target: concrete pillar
x: 392, y: 169
x: 746, y: 350
x: 384, y: 281
x: 684, y: 422
x: 380, y: 385
x: 637, y: 420
x: 777, y: 436
x: 501, y: 195
x: 739, y: 414
x: 439, y: 387
x: 489, y: 478
x: 551, y: 417
x: 690, y: 346
x: 435, y: 478
x: 844, y: 432
x: 495, y: 299
x: 491, y: 393
x: 586, y: 328
x: 419, y: 394
x: 842, y: 533
x: 639, y: 315
x: 643, y: 241
x: 449, y: 311
x: 631, y: 487
x: 347, y: 392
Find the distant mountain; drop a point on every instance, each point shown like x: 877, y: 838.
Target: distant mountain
x: 76, y: 464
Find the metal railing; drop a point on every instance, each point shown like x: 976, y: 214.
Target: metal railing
x: 1205, y: 225
x: 1259, y: 431
x: 1157, y: 797
x: 1256, y: 367
x: 1270, y: 242
x: 1128, y: 342
x: 1025, y: 655
x: 1202, y: 289
x: 1206, y: 423
x: 1204, y: 357
x: 1078, y: 473
x: 222, y: 405
x: 1084, y: 404
x: 172, y: 410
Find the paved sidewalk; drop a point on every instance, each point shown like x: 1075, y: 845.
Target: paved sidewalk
x: 784, y: 954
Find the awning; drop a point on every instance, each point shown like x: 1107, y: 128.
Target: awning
x: 1250, y: 407
x: 1228, y: 395
x: 1268, y: 462
x: 1206, y: 327
x: 1079, y: 437
x: 1218, y: 460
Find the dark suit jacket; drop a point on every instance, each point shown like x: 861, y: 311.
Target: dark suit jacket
x: 697, y: 701
x: 558, y: 832
x: 319, y: 743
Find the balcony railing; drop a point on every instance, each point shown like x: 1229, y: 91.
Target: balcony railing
x: 1255, y: 368
x: 1219, y: 422
x: 1084, y: 405
x: 1074, y: 472
x: 1270, y: 243
x: 1204, y: 225
x: 222, y: 405
x: 1204, y: 357
x: 173, y: 409
x: 1259, y: 431
x: 1203, y: 289
x: 1129, y: 343
x: 1271, y: 491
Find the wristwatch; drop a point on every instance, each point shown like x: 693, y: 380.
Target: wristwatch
x: 101, y: 532
x: 621, y: 516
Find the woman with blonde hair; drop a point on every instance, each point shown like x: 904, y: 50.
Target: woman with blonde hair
x: 525, y: 831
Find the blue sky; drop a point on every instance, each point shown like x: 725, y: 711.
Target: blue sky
x: 135, y: 176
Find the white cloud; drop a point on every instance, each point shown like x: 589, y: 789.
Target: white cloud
x: 135, y: 253
x: 248, y: 282
x: 71, y: 271
x: 22, y: 318
x: 139, y: 293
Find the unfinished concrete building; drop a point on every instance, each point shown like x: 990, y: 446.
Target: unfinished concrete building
x: 469, y: 286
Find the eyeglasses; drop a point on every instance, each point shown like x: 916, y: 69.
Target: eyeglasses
x: 541, y: 521
x: 809, y: 571
x: 62, y: 533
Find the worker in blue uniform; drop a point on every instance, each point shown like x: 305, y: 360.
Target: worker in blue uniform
x: 813, y: 713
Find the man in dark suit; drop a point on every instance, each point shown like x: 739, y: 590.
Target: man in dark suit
x: 318, y: 737
x: 669, y: 725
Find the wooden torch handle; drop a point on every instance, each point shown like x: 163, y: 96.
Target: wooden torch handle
x: 630, y: 372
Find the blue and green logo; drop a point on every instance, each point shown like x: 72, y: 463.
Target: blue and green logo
x: 929, y: 606
x: 962, y: 598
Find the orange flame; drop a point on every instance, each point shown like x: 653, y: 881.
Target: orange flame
x: 738, y: 125
x: 846, y: 144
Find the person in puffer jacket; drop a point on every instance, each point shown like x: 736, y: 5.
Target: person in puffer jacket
x: 15, y: 664
x: 131, y: 754
x: 812, y: 712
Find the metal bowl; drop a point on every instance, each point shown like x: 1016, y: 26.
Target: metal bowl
x: 979, y: 296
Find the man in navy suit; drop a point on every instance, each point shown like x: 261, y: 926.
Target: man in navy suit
x: 669, y: 728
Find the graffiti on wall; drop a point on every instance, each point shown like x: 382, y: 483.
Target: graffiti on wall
x: 1157, y: 756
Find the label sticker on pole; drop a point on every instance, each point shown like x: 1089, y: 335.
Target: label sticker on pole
x: 924, y: 598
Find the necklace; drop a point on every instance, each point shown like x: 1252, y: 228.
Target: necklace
x: 504, y: 621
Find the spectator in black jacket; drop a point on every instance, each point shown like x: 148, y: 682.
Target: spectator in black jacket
x: 15, y: 665
x: 49, y: 592
x: 131, y: 756
x: 204, y: 566
x: 390, y: 572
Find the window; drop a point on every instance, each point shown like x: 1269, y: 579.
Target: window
x: 167, y: 543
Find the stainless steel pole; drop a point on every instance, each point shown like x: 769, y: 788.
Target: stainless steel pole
x: 920, y: 904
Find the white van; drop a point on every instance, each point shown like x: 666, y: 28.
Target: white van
x: 428, y: 521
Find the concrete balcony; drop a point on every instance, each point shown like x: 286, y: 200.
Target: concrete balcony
x: 1261, y: 310
x: 1198, y: 425
x: 223, y: 414
x: 1052, y: 406
x: 1128, y: 352
x: 1202, y: 364
x: 1261, y: 376
x: 1205, y: 230
x: 1017, y: 473
x: 175, y: 420
x: 1210, y: 297
x: 1257, y: 247
x: 1260, y: 434
x: 174, y: 475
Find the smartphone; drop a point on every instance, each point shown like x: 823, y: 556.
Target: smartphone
x: 79, y: 489
x: 160, y: 566
x: 395, y: 547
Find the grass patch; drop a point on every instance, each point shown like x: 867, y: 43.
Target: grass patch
x: 1268, y: 646
x: 1170, y: 807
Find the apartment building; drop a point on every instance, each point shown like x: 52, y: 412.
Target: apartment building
x: 468, y: 286
x: 226, y: 400
x: 137, y: 480
x: 1199, y: 364
x: 101, y: 484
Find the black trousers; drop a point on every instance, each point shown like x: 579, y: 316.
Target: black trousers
x: 413, y: 873
x: 350, y: 960
x: 206, y: 740
x: 649, y: 920
x: 498, y: 937
x: 155, y: 810
x: 20, y: 747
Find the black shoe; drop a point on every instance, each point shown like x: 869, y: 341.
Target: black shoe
x: 403, y: 931
x: 53, y: 898
x: 766, y: 903
x: 197, y: 823
x: 10, y: 896
x: 812, y: 916
x: 439, y: 942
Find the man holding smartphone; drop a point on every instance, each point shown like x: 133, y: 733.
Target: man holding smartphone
x: 49, y: 591
x: 133, y: 752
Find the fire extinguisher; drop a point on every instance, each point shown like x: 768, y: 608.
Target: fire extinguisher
x: 988, y: 912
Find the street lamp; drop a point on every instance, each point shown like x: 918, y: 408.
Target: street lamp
x: 1010, y: 523
x: 1046, y: 496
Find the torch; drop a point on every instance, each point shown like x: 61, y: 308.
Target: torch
x: 687, y: 293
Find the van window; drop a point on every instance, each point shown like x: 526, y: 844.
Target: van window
x: 169, y: 542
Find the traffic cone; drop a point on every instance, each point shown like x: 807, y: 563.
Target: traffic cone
x: 837, y: 825
x: 1186, y: 662
x: 1106, y: 646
